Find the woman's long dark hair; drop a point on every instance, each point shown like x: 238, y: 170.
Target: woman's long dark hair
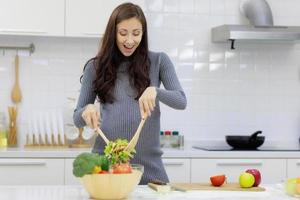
x: 109, y: 56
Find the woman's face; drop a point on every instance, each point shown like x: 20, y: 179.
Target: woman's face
x: 129, y: 35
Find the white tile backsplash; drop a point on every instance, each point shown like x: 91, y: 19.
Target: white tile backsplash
x: 255, y: 87
x: 186, y: 6
x: 202, y: 7
x: 217, y: 7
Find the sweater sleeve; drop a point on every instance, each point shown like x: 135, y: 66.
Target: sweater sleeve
x: 173, y: 94
x: 87, y: 94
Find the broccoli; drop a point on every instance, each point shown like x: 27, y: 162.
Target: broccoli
x: 105, y: 164
x: 85, y: 163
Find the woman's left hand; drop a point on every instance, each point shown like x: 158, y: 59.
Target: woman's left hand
x: 147, y: 101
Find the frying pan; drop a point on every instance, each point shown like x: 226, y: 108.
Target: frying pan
x: 245, y: 142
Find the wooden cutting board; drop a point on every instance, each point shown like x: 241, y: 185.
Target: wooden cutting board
x: 208, y: 186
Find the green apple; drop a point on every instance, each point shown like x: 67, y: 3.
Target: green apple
x: 246, y: 180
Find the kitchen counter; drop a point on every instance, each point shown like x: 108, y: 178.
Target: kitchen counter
x: 274, y: 192
x: 187, y: 152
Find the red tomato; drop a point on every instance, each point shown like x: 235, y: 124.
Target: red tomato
x: 123, y: 168
x: 103, y: 172
x: 217, y: 180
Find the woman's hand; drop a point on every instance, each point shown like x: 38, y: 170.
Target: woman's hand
x: 91, y: 116
x: 147, y: 101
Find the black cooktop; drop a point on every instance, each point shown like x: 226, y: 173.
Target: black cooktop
x: 228, y: 148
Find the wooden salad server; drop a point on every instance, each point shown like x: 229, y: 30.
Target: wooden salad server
x: 98, y: 130
x: 131, y: 145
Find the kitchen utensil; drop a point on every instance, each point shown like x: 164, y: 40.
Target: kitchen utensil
x: 208, y: 186
x: 16, y: 94
x: 12, y: 135
x: 160, y: 188
x: 98, y: 130
x: 245, y: 142
x: 132, y: 142
x: 136, y: 136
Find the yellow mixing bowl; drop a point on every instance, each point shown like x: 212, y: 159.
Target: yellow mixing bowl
x: 112, y: 186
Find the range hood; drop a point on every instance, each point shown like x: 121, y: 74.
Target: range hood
x: 260, y: 27
x: 249, y: 32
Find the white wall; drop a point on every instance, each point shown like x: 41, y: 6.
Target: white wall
x: 255, y: 87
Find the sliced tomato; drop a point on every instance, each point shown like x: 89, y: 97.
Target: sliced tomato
x: 218, y: 180
x: 122, y: 168
x: 103, y: 172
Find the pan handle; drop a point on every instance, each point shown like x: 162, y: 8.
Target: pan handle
x: 254, y: 135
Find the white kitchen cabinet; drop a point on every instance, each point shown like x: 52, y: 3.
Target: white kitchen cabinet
x: 293, y: 166
x: 32, y: 17
x: 31, y: 171
x: 70, y: 179
x: 178, y: 170
x: 88, y: 18
x: 272, y: 170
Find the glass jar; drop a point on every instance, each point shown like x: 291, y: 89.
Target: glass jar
x: 3, y: 130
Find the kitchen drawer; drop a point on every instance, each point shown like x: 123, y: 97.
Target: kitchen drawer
x: 70, y: 179
x: 31, y: 171
x: 293, y: 168
x: 178, y: 170
x: 272, y: 170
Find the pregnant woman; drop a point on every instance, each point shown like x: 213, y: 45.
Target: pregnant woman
x: 126, y: 77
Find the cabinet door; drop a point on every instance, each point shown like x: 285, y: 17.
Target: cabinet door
x: 178, y: 170
x: 88, y: 18
x: 31, y: 171
x: 272, y: 170
x: 70, y: 179
x: 32, y: 17
x: 293, y: 166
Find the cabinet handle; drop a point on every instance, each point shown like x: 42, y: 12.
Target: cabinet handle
x: 22, y: 162
x: 22, y: 31
x: 173, y: 163
x: 239, y: 163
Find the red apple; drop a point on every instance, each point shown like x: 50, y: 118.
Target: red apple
x: 217, y: 180
x: 256, y: 175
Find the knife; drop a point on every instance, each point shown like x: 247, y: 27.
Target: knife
x: 163, y: 187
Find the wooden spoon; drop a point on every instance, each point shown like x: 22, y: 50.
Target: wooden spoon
x: 16, y: 94
x: 131, y: 145
x: 98, y: 130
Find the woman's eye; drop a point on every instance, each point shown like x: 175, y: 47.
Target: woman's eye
x: 136, y: 34
x: 123, y: 33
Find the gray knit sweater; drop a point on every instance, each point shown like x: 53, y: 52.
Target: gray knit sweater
x: 121, y: 118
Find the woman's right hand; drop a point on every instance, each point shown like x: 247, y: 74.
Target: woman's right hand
x: 91, y: 116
